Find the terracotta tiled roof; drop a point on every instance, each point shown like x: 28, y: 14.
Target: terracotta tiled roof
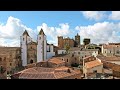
x: 29, y: 70
x: 56, y: 61
x: 93, y: 64
x: 116, y: 68
x: 110, y: 46
x: 47, y: 73
x: 113, y: 58
x: 62, y: 72
x: 62, y: 68
x: 42, y: 69
x: 37, y: 76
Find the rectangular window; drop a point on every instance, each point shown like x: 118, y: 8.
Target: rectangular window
x: 67, y: 60
x: 39, y: 38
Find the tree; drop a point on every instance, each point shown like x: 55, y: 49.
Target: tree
x: 67, y: 47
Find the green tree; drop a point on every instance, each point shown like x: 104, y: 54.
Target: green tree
x: 67, y: 47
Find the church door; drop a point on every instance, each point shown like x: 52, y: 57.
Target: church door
x: 31, y: 61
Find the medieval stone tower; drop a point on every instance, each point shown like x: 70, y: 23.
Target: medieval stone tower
x: 41, y: 46
x: 25, y: 39
x: 60, y: 42
x: 77, y: 40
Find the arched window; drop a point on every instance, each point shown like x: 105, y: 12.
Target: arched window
x: 31, y: 61
x: 23, y: 39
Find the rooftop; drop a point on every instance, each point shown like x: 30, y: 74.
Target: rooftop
x: 113, y: 58
x: 46, y: 73
x: 92, y: 64
x: 110, y: 46
x: 56, y: 60
x: 81, y: 49
x: 116, y: 68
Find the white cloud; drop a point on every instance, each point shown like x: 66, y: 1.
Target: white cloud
x: 115, y: 15
x: 53, y: 32
x: 11, y: 31
x: 94, y: 15
x: 64, y: 30
x: 100, y: 32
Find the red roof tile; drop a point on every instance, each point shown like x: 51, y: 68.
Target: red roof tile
x: 56, y: 61
x: 46, y: 73
x: 93, y: 64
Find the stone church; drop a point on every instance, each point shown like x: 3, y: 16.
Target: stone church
x: 32, y: 52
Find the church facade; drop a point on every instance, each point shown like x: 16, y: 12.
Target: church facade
x: 32, y: 52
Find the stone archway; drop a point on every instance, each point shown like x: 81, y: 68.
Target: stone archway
x: 31, y: 61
